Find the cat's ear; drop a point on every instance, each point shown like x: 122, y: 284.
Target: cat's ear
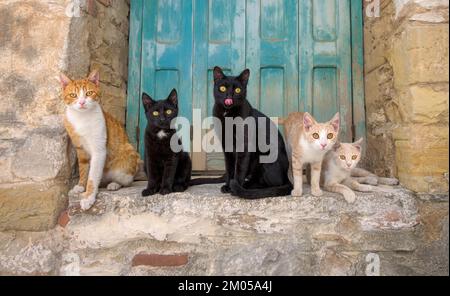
x: 147, y: 101
x: 308, y: 121
x: 218, y: 74
x: 94, y: 77
x: 336, y: 122
x: 244, y: 77
x: 358, y: 144
x: 173, y: 97
x: 337, y: 146
x: 64, y: 80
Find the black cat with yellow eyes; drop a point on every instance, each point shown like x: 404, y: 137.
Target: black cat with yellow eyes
x: 167, y: 171
x: 246, y: 177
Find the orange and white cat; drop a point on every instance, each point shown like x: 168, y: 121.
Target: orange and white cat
x: 340, y: 173
x: 307, y: 143
x: 105, y: 156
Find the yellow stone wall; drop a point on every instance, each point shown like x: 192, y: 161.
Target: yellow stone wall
x: 407, y: 93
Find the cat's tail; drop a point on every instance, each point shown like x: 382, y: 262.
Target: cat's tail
x: 204, y: 181
x: 241, y: 192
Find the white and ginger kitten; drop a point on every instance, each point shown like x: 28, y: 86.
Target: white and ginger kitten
x: 341, y: 175
x: 307, y: 143
x: 105, y: 156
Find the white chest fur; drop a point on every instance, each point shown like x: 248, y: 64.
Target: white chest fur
x: 310, y: 154
x: 161, y: 134
x: 90, y: 126
x: 334, y: 173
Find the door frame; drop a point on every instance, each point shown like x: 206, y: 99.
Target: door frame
x: 135, y: 72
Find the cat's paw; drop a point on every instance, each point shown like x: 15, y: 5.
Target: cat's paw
x: 371, y: 181
x: 179, y: 188
x: 350, y: 197
x: 165, y: 191
x: 297, y: 192
x: 389, y: 181
x: 317, y: 192
x: 367, y: 188
x: 149, y: 192
x: 113, y: 186
x: 87, y: 202
x: 225, y: 189
x: 77, y: 190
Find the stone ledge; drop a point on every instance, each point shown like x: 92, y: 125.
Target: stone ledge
x: 203, y: 232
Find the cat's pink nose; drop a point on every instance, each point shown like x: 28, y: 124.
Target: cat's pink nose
x: 324, y: 145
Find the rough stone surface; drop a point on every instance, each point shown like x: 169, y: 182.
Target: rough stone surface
x: 38, y: 40
x: 203, y: 232
x: 34, y: 162
x: 108, y: 46
x: 406, y: 57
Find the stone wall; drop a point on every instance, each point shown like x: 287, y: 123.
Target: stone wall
x: 406, y: 76
x: 108, y: 46
x: 39, y: 39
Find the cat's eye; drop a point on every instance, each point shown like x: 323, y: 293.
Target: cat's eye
x: 169, y: 112
x: 342, y: 157
x: 73, y: 95
x: 316, y: 136
x: 355, y: 157
x: 89, y: 93
x: 330, y: 136
x: 223, y: 89
x: 155, y: 113
x: 238, y: 90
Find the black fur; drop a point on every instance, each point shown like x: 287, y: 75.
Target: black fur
x: 166, y: 170
x: 246, y: 176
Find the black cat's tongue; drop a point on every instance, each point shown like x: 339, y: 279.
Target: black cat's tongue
x: 229, y: 102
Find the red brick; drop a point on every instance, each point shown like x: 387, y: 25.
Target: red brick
x: 64, y: 219
x: 160, y: 260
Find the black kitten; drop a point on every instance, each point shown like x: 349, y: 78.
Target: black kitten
x: 246, y: 176
x: 167, y: 171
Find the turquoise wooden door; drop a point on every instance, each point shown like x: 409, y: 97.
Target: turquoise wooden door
x: 304, y: 56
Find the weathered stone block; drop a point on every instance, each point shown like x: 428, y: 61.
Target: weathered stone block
x: 422, y: 155
x: 429, y: 105
x: 411, y: 58
x: 32, y: 206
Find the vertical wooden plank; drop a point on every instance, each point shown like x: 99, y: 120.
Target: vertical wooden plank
x: 200, y: 75
x: 359, y: 112
x: 185, y: 61
x: 134, y: 71
x: 326, y: 99
x: 292, y: 90
x: 253, y: 54
x: 238, y: 36
x: 272, y: 55
x: 344, y: 53
x: 324, y: 20
x: 272, y: 91
x: 148, y: 66
x: 306, y: 49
